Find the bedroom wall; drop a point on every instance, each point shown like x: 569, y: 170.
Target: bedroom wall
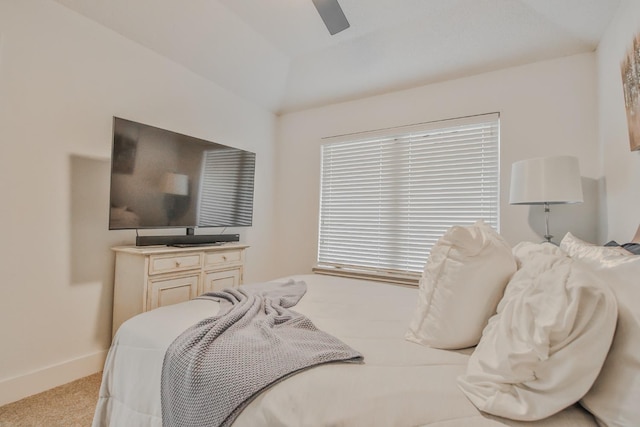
x: 620, y: 215
x: 62, y: 78
x: 547, y: 108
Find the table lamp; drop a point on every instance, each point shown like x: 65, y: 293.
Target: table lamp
x: 546, y: 181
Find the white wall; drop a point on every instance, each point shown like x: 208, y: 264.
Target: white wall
x: 62, y: 78
x: 547, y: 108
x: 620, y: 216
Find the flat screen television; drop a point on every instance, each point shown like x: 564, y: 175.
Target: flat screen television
x: 163, y: 179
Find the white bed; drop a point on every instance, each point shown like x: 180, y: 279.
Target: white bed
x: 545, y: 331
x: 401, y: 383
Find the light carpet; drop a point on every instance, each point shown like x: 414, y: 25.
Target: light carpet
x: 69, y: 405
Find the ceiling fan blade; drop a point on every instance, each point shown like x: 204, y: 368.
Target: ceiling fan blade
x: 332, y: 15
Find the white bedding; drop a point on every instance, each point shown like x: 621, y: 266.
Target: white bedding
x: 530, y: 362
x: 400, y: 384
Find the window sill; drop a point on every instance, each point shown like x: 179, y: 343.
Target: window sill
x: 404, y: 279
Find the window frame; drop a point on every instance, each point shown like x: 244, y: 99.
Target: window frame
x: 425, y: 134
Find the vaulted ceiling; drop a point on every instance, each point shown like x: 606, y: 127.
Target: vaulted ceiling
x: 279, y: 54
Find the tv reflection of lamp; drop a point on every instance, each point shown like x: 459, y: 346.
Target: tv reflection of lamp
x: 546, y: 181
x: 175, y: 183
x: 175, y: 186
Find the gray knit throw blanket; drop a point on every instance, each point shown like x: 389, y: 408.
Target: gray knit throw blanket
x: 213, y: 370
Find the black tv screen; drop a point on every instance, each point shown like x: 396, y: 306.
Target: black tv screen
x: 162, y: 179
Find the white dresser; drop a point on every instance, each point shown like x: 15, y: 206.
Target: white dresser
x: 147, y: 277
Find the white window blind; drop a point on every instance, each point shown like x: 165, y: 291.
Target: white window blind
x: 387, y: 197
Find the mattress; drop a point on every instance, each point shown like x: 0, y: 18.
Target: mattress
x: 400, y: 383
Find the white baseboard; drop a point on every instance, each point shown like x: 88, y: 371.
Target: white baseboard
x: 21, y: 386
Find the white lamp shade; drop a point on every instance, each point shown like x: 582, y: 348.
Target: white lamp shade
x: 552, y: 180
x: 175, y: 183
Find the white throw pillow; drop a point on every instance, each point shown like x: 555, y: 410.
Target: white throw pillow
x: 463, y: 281
x: 615, y: 397
x: 543, y: 349
x: 576, y: 247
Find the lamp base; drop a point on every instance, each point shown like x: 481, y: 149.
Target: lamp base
x: 547, y: 236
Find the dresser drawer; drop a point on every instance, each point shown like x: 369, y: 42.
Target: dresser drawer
x: 220, y: 258
x: 166, y: 264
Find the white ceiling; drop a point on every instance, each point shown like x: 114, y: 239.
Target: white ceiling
x: 279, y: 55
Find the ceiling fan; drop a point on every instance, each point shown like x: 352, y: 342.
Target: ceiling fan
x: 332, y: 15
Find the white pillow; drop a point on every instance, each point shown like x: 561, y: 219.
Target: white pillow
x: 462, y: 283
x: 543, y: 349
x: 576, y: 247
x: 615, y: 396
